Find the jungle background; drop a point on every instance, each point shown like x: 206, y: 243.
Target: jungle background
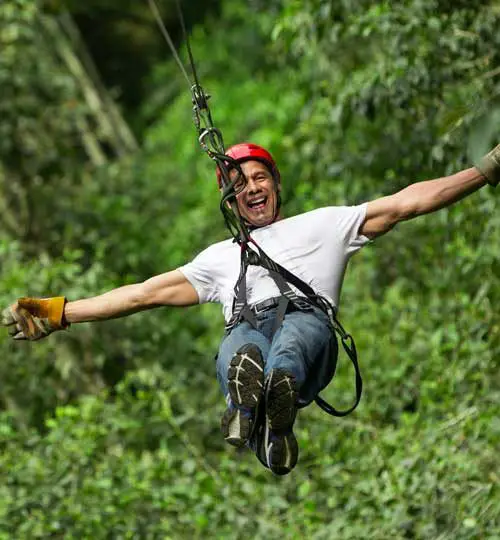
x: 111, y: 430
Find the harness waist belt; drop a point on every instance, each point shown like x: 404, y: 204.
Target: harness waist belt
x: 265, y: 305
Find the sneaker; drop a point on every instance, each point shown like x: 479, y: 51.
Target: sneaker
x: 277, y: 446
x: 246, y: 386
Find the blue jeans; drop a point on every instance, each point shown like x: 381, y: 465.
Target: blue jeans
x: 303, y: 345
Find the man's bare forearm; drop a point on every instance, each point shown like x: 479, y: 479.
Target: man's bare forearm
x: 167, y: 289
x: 111, y: 305
x: 425, y: 197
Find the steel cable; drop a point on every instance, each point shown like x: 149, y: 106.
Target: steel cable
x: 156, y: 13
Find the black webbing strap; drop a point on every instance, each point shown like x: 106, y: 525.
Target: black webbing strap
x: 283, y: 279
x: 350, y: 348
x: 281, y: 310
x: 241, y: 310
x: 240, y: 305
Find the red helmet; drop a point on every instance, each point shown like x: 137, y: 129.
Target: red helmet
x: 248, y: 151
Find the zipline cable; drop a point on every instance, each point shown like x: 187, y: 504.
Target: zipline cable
x: 156, y: 13
x: 209, y: 137
x: 188, y: 43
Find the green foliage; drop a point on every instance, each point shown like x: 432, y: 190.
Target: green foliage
x: 111, y: 430
x: 393, y: 88
x: 142, y: 465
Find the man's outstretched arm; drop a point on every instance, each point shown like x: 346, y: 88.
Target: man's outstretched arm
x: 169, y: 289
x: 34, y: 318
x: 425, y: 197
x: 419, y: 199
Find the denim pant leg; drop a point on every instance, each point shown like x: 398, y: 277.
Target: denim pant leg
x: 304, y: 346
x: 240, y: 335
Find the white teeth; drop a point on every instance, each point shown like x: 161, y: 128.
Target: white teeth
x: 257, y: 201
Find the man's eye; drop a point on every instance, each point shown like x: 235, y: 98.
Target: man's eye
x: 239, y: 183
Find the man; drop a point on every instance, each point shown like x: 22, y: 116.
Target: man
x: 261, y: 364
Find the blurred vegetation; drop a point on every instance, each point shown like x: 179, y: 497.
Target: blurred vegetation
x: 111, y: 430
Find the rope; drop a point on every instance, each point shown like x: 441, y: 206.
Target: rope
x: 156, y: 13
x: 188, y: 43
x: 209, y: 137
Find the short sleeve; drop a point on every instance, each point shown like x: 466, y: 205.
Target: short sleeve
x: 200, y: 273
x: 347, y: 221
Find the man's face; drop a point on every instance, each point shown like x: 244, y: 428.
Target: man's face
x: 258, y: 199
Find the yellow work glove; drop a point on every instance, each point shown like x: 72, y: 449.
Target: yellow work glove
x: 35, y: 318
x: 489, y: 166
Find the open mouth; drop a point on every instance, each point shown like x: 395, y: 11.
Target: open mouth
x: 257, y: 204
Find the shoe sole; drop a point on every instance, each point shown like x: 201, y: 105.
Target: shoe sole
x: 280, y: 453
x: 245, y: 384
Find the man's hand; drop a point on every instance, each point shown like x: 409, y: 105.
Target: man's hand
x: 34, y: 318
x: 489, y: 165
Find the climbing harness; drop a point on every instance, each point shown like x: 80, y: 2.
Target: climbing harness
x: 212, y: 143
x: 284, y: 279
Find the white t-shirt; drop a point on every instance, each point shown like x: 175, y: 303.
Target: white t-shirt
x: 315, y: 246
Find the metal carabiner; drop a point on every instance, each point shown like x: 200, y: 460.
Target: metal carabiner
x: 199, y: 98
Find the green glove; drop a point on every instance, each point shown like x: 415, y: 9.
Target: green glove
x: 35, y: 318
x: 489, y: 166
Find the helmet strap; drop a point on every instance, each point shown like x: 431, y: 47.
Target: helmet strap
x: 278, y: 200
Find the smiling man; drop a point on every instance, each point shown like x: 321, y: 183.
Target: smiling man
x: 259, y: 203
x: 277, y: 362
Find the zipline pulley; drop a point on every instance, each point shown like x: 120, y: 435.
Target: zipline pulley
x: 209, y: 137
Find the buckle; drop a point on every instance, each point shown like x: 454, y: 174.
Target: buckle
x: 264, y: 305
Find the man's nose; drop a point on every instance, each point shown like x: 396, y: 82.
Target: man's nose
x: 252, y: 185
